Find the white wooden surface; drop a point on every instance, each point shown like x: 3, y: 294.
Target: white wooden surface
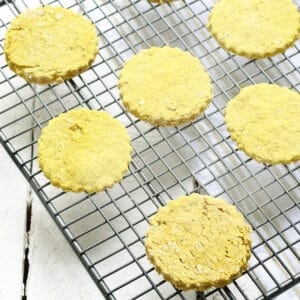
x: 14, y: 193
x: 54, y: 270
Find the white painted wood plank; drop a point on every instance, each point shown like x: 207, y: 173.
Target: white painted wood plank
x: 13, y: 196
x: 55, y: 272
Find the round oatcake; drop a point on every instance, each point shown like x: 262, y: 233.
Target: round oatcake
x: 264, y: 121
x: 255, y: 28
x: 198, y: 242
x: 84, y: 150
x: 165, y: 86
x: 50, y: 44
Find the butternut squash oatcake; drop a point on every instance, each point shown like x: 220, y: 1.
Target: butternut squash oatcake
x: 165, y: 86
x: 198, y: 242
x: 84, y: 150
x: 264, y: 121
x: 255, y: 28
x: 50, y: 44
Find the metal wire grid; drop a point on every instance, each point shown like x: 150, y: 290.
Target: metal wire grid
x: 106, y: 230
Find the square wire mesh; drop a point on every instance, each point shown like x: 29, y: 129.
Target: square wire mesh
x: 106, y: 230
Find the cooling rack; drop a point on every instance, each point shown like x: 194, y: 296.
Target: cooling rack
x: 106, y: 230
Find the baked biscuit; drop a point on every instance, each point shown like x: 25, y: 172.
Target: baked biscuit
x: 84, y: 150
x: 263, y: 120
x: 50, y: 44
x: 255, y: 28
x: 165, y: 86
x: 197, y: 242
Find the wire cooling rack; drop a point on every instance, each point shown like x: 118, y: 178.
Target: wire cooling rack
x: 106, y: 230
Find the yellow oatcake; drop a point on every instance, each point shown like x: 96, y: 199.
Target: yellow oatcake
x: 198, y: 242
x: 165, y: 86
x: 84, y: 150
x: 50, y: 44
x: 264, y: 120
x: 255, y: 28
